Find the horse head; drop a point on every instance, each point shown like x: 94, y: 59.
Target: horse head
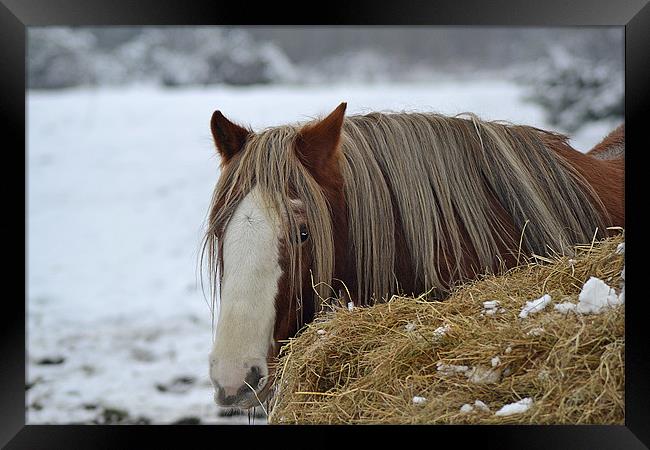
x: 278, y: 203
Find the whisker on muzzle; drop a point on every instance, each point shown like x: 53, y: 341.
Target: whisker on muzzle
x: 257, y: 398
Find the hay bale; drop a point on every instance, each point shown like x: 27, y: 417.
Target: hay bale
x: 469, y: 359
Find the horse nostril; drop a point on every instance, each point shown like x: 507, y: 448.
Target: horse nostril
x: 220, y: 397
x: 253, y: 377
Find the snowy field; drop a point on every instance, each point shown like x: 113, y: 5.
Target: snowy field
x: 119, y: 182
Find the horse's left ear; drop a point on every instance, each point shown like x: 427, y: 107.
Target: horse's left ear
x: 318, y: 142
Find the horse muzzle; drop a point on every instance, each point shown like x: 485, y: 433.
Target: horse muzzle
x: 251, y: 392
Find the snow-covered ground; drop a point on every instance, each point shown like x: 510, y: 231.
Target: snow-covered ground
x: 119, y: 182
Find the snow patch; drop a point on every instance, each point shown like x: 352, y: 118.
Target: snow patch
x: 481, y: 406
x: 477, y: 406
x: 441, y: 331
x: 519, y: 407
x: 491, y: 304
x: 491, y: 307
x: 535, y: 306
x: 466, y: 408
x: 477, y: 375
x: 621, y: 296
x: 450, y: 369
x: 596, y: 296
x: 419, y: 400
x: 565, y: 307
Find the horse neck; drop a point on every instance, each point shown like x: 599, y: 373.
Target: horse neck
x: 411, y: 284
x: 606, y: 178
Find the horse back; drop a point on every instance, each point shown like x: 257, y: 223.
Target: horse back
x: 612, y: 146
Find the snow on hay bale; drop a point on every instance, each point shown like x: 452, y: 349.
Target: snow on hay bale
x: 414, y: 361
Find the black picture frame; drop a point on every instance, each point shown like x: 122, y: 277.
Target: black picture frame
x: 17, y: 15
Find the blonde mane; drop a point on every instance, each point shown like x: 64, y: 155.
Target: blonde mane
x: 431, y: 175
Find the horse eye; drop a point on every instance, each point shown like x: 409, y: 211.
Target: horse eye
x: 304, y: 234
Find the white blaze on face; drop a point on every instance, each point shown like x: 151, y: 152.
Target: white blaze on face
x: 249, y: 284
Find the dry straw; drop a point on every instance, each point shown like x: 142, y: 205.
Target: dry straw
x: 403, y: 361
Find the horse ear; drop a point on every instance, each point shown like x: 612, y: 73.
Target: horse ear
x: 228, y: 137
x: 318, y: 142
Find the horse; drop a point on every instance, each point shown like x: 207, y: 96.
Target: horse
x: 358, y: 208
